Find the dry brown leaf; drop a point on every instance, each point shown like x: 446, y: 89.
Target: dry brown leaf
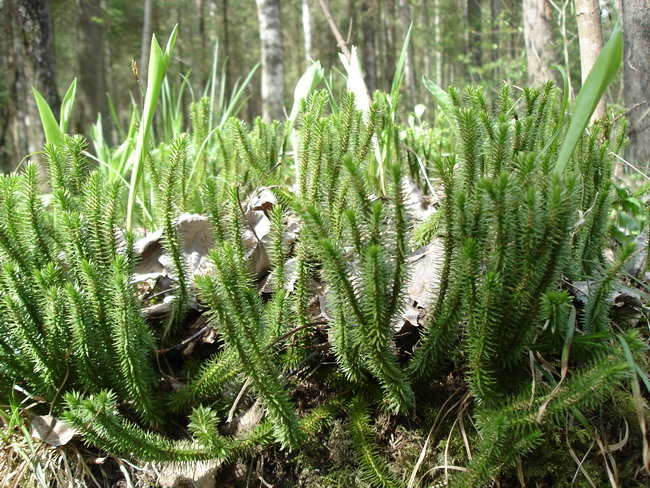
x: 420, y: 206
x: 425, y: 264
x: 51, y: 430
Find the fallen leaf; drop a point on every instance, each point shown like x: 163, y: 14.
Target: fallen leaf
x: 51, y: 430
x: 426, y: 264
x: 420, y: 206
x: 261, y: 199
x: 269, y: 284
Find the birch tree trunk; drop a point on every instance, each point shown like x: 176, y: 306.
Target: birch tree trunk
x: 538, y: 37
x: 636, y: 59
x: 225, y: 46
x: 590, y: 34
x: 306, y: 32
x: 268, y: 12
x: 27, y: 60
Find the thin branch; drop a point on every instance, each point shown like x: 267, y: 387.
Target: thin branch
x: 335, y: 30
x: 184, y: 342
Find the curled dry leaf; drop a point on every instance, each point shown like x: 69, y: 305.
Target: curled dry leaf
x: 197, y: 475
x: 425, y: 264
x: 269, y: 284
x: 637, y: 263
x: 261, y: 199
x: 51, y: 430
x: 196, y: 236
x: 258, y: 230
x: 581, y: 290
x: 420, y: 206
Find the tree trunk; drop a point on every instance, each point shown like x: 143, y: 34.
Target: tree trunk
x: 202, y: 68
x: 225, y: 48
x: 590, y: 34
x: 146, y: 43
x: 428, y: 50
x: 437, y: 36
x: 368, y: 20
x: 268, y: 12
x: 28, y: 60
x: 91, y: 88
x: 494, y: 39
x: 474, y: 14
x: 538, y: 36
x: 389, y: 31
x: 636, y: 29
x: 409, y: 65
x: 306, y: 31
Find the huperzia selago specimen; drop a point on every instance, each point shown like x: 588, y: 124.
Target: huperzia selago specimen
x: 513, y: 232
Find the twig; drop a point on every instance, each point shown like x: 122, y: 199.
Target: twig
x: 335, y: 30
x: 633, y: 107
x: 293, y: 331
x: 630, y: 165
x: 184, y: 342
x: 231, y: 412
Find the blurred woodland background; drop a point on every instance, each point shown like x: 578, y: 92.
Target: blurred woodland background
x: 46, y: 44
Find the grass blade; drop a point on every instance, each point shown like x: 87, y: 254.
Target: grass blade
x: 53, y: 134
x: 599, y: 78
x: 401, y: 63
x: 66, y: 106
x: 442, y: 97
x: 158, y: 62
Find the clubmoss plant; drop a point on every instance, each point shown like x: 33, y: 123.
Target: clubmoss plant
x: 327, y: 307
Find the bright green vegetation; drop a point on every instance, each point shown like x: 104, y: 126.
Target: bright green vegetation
x: 504, y: 349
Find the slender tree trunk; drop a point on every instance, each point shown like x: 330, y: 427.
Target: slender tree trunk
x: 389, y: 30
x: 636, y: 29
x: 202, y: 67
x: 428, y: 50
x: 514, y: 23
x: 146, y: 42
x: 474, y: 14
x: 268, y: 12
x: 369, y: 18
x: 409, y: 65
x: 437, y: 36
x: 91, y: 89
x: 590, y: 34
x: 306, y: 32
x: 225, y: 48
x: 28, y: 60
x: 494, y: 38
x: 538, y: 36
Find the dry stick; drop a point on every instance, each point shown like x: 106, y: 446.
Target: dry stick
x: 626, y: 113
x: 184, y: 342
x: 293, y: 331
x: 335, y: 30
x: 235, y: 404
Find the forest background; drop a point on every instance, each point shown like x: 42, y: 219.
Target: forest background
x: 46, y: 44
